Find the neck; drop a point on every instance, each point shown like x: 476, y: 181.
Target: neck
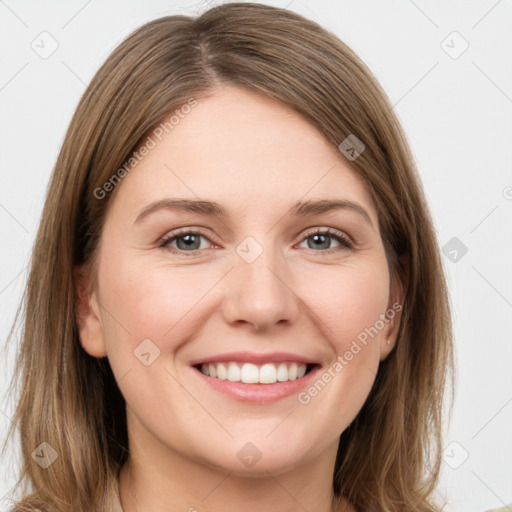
x: 173, y: 482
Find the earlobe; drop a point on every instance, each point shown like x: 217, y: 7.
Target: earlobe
x: 87, y: 314
x: 389, y: 336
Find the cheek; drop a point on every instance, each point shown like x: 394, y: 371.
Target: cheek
x: 348, y: 302
x: 151, y: 303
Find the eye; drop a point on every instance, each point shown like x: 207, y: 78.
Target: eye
x: 321, y: 239
x: 186, y: 241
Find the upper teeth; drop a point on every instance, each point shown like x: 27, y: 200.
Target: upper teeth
x: 249, y: 373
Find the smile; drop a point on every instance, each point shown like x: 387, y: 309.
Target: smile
x: 249, y: 373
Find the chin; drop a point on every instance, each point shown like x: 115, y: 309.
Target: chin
x: 259, y: 457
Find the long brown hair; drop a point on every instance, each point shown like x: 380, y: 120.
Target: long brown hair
x: 389, y: 457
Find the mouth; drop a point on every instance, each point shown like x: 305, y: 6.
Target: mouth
x: 257, y: 384
x: 250, y: 373
x: 256, y: 378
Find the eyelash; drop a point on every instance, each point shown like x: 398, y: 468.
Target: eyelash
x: 337, y: 235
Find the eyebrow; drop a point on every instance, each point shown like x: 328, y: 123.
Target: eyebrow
x: 214, y: 209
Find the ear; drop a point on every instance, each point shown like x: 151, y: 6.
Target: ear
x: 397, y: 293
x: 88, y: 317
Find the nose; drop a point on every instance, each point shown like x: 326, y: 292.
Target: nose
x: 260, y: 294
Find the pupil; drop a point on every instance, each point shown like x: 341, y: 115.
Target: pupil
x: 188, y: 241
x: 317, y: 237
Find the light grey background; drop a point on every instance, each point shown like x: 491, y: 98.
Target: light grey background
x: 456, y: 109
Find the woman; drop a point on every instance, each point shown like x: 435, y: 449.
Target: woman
x: 242, y: 303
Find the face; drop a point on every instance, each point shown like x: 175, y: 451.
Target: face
x: 244, y: 278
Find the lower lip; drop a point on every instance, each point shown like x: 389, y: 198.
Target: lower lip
x: 259, y: 393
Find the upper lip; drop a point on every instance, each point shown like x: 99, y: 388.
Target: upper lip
x: 255, y: 358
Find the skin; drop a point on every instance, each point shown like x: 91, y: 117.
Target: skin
x: 256, y: 158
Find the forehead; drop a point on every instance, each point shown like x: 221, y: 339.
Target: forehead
x: 243, y: 150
